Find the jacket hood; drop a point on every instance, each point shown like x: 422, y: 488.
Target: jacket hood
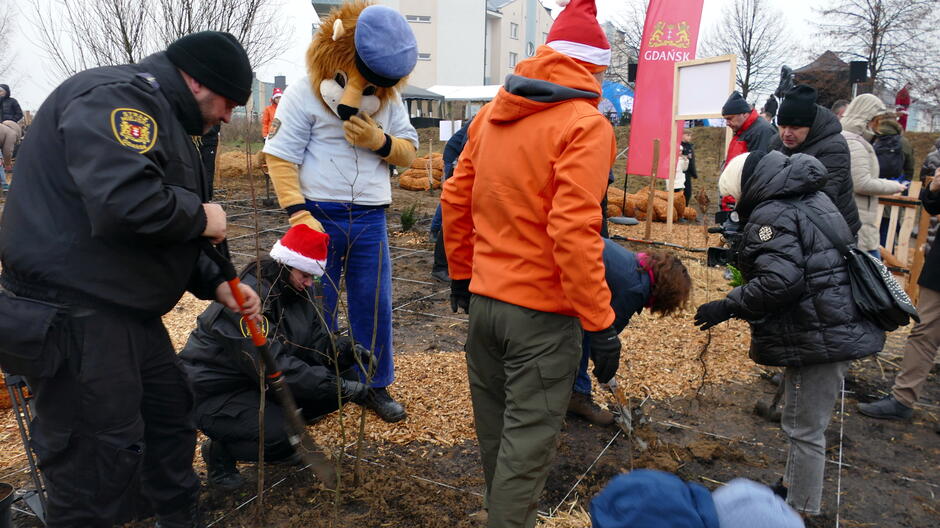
x: 860, y: 112
x: 540, y: 82
x: 889, y: 127
x: 653, y: 499
x: 778, y: 177
x: 177, y: 93
x: 5, y: 88
x: 825, y: 124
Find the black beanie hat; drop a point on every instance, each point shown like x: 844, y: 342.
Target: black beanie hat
x: 735, y: 105
x: 798, y: 107
x: 750, y: 164
x: 217, y: 60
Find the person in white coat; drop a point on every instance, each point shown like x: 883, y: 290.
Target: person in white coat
x: 858, y: 124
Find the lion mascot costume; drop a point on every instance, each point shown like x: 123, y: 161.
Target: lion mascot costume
x: 328, y: 151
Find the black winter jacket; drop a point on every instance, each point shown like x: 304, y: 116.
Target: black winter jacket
x: 930, y: 275
x: 826, y: 143
x: 797, y: 296
x: 9, y: 107
x: 220, y: 358
x: 108, y: 211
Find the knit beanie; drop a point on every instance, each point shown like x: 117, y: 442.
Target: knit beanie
x: 577, y: 34
x: 798, y: 107
x: 729, y: 183
x: 742, y: 503
x: 217, y: 60
x: 735, y: 105
x: 302, y: 248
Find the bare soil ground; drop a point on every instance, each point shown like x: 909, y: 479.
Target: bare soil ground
x: 425, y: 472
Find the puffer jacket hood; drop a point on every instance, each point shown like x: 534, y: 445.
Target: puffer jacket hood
x: 545, y: 80
x: 780, y: 177
x: 797, y: 296
x: 5, y: 88
x: 860, y: 112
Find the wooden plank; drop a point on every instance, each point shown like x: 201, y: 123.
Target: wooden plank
x: 652, y: 197
x: 907, y: 227
x: 899, y: 201
x: 892, y: 229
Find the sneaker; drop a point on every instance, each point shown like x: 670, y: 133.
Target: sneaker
x: 582, y: 405
x: 380, y: 401
x: 441, y: 275
x: 886, y: 408
x: 220, y: 466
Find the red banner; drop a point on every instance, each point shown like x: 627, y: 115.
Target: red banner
x: 670, y: 35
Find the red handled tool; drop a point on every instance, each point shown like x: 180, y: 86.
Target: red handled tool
x: 309, y: 451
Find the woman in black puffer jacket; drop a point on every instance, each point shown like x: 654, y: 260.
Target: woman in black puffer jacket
x: 798, y: 301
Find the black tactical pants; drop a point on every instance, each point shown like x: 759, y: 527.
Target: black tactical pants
x: 232, y: 420
x: 118, y: 411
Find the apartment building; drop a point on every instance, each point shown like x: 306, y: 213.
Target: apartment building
x: 467, y: 42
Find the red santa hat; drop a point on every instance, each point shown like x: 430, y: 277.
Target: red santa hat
x: 577, y: 34
x: 276, y: 93
x: 302, y: 248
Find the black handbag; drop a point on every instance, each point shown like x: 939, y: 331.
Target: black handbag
x: 875, y: 291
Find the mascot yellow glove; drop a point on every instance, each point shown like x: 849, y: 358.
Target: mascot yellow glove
x: 304, y: 217
x: 286, y: 180
x: 362, y: 131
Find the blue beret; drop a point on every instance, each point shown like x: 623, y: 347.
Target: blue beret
x: 386, y: 49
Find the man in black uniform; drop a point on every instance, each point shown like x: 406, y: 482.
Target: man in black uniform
x: 107, y: 223
x: 221, y: 361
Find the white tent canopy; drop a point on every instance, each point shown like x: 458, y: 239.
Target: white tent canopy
x: 466, y: 93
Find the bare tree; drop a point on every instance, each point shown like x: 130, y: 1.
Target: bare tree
x: 80, y: 34
x: 758, y: 35
x: 894, y: 36
x: 6, y: 29
x: 625, y: 33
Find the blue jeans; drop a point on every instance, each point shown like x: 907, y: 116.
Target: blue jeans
x: 358, y: 253
x: 875, y: 253
x: 582, y: 382
x: 437, y: 221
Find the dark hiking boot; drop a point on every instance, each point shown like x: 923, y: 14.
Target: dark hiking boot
x: 582, y: 405
x: 886, y: 408
x: 441, y: 275
x: 779, y: 489
x: 380, y: 401
x: 188, y: 518
x: 220, y: 466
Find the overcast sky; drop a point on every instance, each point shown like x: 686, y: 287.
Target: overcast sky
x: 31, y: 82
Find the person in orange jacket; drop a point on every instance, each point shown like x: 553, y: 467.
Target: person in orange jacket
x: 268, y: 114
x: 522, y: 221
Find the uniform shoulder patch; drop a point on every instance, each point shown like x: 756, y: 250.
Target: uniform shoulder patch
x: 264, y: 326
x: 765, y: 233
x: 275, y: 126
x: 134, y: 129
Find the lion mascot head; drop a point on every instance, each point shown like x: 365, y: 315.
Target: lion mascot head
x: 360, y: 55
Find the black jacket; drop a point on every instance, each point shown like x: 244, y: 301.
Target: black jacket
x: 797, y: 296
x: 9, y: 107
x: 826, y: 143
x: 759, y: 135
x: 688, y: 149
x: 108, y: 211
x: 930, y: 274
x: 220, y: 359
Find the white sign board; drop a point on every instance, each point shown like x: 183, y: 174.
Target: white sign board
x: 448, y: 129
x: 703, y: 88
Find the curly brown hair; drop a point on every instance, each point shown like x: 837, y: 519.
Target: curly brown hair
x: 672, y: 283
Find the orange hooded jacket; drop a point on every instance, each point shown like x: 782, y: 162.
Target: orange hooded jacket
x: 266, y: 119
x: 522, y: 213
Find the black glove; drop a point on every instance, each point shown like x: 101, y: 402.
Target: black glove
x: 712, y: 313
x: 605, y: 353
x: 460, y: 295
x: 350, y: 354
x: 354, y: 391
